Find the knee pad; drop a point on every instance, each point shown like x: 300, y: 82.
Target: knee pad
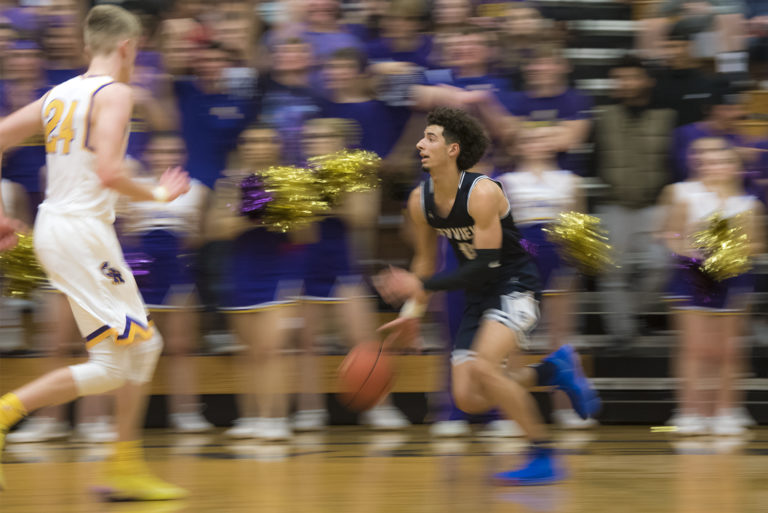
x: 143, y: 359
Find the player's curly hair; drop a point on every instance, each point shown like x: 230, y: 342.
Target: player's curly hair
x: 459, y: 127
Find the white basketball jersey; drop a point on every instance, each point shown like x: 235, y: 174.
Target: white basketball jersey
x: 538, y: 198
x: 73, y: 186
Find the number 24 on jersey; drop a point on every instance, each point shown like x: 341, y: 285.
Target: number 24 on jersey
x: 56, y: 130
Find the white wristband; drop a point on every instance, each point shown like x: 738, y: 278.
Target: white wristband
x: 160, y: 193
x: 412, y: 309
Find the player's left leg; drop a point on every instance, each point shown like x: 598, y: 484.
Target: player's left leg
x: 128, y: 477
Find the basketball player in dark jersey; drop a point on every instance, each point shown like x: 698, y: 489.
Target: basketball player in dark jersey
x: 501, y: 285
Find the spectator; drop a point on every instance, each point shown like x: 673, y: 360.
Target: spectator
x: 632, y: 142
x: 723, y: 17
x: 350, y: 98
x: 547, y: 98
x: 725, y: 112
x: 286, y: 99
x: 320, y: 26
x: 401, y: 37
x: 63, y: 50
x: 681, y: 83
x: 522, y: 29
x: 211, y: 116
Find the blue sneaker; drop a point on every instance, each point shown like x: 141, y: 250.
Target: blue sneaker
x: 542, y: 468
x: 570, y: 379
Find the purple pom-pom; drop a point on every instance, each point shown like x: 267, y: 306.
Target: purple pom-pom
x: 255, y: 197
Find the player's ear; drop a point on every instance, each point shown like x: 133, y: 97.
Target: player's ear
x: 453, y: 150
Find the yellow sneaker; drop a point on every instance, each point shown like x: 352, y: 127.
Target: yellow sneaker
x: 138, y: 484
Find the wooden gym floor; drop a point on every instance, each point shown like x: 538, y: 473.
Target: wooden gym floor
x: 352, y: 470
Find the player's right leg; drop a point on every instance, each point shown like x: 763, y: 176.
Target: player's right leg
x: 102, y: 373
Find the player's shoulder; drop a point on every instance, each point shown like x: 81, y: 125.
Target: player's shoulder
x: 114, y: 91
x: 484, y: 192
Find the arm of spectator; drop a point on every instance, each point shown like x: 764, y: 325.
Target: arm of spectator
x: 159, y: 112
x: 570, y: 133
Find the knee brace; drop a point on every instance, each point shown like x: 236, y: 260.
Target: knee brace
x: 101, y: 373
x: 143, y: 359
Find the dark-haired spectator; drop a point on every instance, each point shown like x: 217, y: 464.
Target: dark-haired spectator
x: 319, y: 24
x: 632, y: 143
x: 681, y: 83
x: 521, y: 30
x: 63, y: 50
x: 724, y: 113
x: 212, y: 116
x: 723, y: 18
x: 350, y: 98
x: 402, y: 38
x: 548, y: 99
x: 286, y: 99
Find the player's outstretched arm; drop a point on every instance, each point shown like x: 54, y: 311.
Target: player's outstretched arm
x: 112, y: 109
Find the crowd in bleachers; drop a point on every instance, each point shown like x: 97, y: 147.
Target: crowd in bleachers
x: 230, y: 87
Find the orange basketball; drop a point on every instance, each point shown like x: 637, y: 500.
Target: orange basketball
x: 365, y: 376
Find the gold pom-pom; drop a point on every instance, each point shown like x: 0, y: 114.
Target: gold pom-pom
x: 21, y: 272
x: 346, y: 171
x: 297, y: 198
x: 725, y: 247
x: 581, y: 241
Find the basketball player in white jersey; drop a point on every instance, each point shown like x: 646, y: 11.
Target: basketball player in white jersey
x: 85, y: 125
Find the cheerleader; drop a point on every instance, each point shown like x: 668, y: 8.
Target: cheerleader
x: 264, y: 280
x: 710, y: 313
x: 332, y: 286
x: 159, y: 240
x: 538, y: 191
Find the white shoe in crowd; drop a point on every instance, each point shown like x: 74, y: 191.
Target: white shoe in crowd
x: 691, y: 425
x: 385, y: 418
x: 742, y: 416
x: 273, y: 429
x: 99, y: 432
x: 310, y: 420
x: 501, y: 428
x: 192, y: 422
x: 567, y: 419
x: 38, y: 429
x: 726, y: 425
x: 243, y: 428
x: 450, y: 429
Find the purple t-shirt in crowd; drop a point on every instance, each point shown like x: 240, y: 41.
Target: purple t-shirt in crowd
x: 323, y: 44
x: 287, y: 108
x: 684, y: 136
x: 567, y: 106
x: 380, y: 49
x: 380, y: 125
x: 483, y: 82
x: 210, y: 126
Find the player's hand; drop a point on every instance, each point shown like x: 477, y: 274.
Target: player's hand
x: 396, y: 285
x: 176, y: 182
x: 8, y: 229
x: 403, y: 333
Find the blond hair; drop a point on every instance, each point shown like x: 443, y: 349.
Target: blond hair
x: 106, y: 26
